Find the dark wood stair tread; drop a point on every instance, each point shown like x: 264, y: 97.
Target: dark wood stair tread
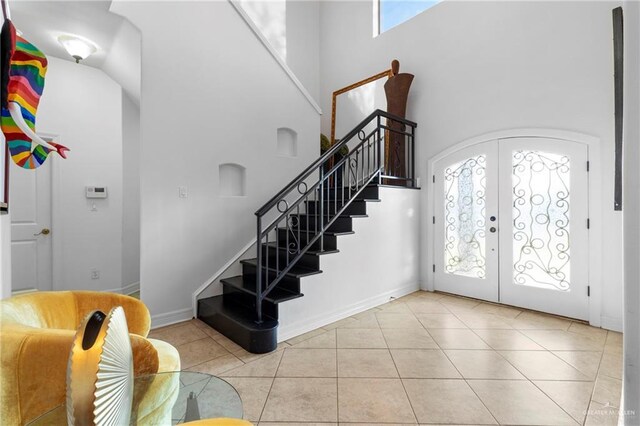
x: 272, y: 245
x: 234, y: 312
x: 240, y: 313
x: 384, y: 185
x: 238, y: 323
x: 277, y: 295
x: 312, y: 234
x: 295, y: 272
x: 344, y: 215
x: 333, y: 200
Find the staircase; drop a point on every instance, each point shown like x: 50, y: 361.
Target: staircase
x: 302, y: 223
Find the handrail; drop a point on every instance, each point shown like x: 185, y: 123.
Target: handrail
x: 327, y: 155
x: 306, y: 207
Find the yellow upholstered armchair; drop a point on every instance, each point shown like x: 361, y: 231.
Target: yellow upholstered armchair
x: 36, y: 334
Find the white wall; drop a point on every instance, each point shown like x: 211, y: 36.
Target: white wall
x: 292, y: 28
x: 376, y: 263
x: 123, y: 60
x: 83, y: 107
x: 130, y: 194
x: 481, y: 67
x: 206, y: 101
x: 5, y: 254
x: 5, y: 238
x: 303, y: 43
x: 631, y: 209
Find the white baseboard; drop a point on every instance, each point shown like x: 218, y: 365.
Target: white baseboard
x: 611, y: 323
x: 127, y: 289
x: 131, y: 288
x: 215, y: 277
x: 289, y: 331
x: 172, y: 317
x: 19, y: 292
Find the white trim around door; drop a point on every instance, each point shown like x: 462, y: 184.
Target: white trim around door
x: 594, y: 202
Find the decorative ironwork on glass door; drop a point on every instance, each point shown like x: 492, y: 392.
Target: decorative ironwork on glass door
x: 541, y: 251
x: 464, y: 219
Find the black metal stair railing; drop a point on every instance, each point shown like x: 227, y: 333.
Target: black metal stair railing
x: 295, y: 220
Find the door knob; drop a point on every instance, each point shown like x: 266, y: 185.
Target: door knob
x: 492, y: 218
x: 44, y: 231
x: 492, y: 229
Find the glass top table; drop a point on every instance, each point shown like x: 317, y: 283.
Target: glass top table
x: 199, y: 396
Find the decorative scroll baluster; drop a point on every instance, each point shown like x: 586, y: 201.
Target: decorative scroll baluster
x: 290, y: 243
x: 339, y: 182
x: 298, y: 241
x: 412, y: 161
x: 322, y: 186
x: 259, y: 270
x: 267, y: 256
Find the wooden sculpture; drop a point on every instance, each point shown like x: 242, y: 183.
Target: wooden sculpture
x: 397, y: 91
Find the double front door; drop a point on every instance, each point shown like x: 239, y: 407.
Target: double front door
x: 511, y: 224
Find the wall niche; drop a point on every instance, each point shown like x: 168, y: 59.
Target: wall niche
x: 232, y: 178
x: 287, y: 142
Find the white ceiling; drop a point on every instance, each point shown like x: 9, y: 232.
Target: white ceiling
x: 41, y: 22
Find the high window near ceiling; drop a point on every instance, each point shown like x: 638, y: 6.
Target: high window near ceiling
x: 395, y: 12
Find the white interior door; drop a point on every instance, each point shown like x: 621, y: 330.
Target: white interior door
x: 466, y: 254
x: 511, y: 224
x: 31, y: 262
x: 544, y: 237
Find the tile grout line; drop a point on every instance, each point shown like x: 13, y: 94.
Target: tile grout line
x: 154, y: 336
x: 218, y: 357
x: 470, y: 387
x: 404, y: 302
x: 273, y: 380
x: 593, y: 391
x: 337, y: 383
x: 413, y: 411
x: 554, y: 401
x: 210, y: 359
x: 499, y: 354
x: 309, y: 338
x: 454, y: 366
x: 530, y: 380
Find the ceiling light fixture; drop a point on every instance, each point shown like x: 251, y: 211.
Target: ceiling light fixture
x: 78, y: 48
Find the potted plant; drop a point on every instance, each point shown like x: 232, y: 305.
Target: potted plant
x: 325, y: 144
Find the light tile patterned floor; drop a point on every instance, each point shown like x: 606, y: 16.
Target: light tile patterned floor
x: 426, y: 358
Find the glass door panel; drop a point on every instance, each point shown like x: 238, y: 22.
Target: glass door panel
x: 543, y: 217
x: 541, y: 234
x: 510, y: 224
x: 464, y: 217
x: 466, y: 256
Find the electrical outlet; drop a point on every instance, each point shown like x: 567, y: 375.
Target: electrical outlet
x: 95, y: 274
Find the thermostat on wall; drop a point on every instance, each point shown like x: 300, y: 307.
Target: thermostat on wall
x: 96, y: 191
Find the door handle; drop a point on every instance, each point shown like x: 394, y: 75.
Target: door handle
x: 492, y: 229
x: 44, y: 231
